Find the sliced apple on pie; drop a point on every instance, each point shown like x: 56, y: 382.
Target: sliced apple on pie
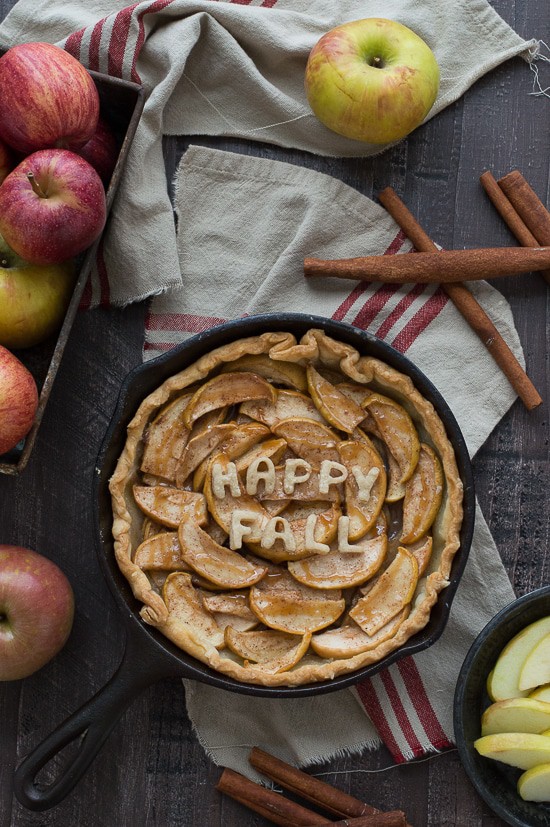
x: 168, y: 506
x: 200, y: 447
x: 396, y: 427
x: 365, y: 485
x: 187, y: 617
x: 231, y: 609
x: 216, y: 563
x: 275, y: 651
x: 287, y: 405
x: 349, y: 640
x: 340, y: 569
x: 161, y: 552
x: 165, y: 439
x: 279, y: 372
x: 309, y: 439
x: 389, y: 594
x: 337, y: 408
x: 423, y: 495
x: 225, y: 390
x: 234, y: 444
x: 282, y: 603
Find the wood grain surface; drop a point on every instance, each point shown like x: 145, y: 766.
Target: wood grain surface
x: 152, y: 772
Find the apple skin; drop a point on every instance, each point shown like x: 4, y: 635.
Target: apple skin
x: 47, y: 98
x: 371, y: 80
x: 101, y: 151
x: 18, y: 400
x: 36, y: 611
x: 33, y: 298
x: 59, y: 214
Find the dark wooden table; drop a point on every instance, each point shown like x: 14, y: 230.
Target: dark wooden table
x: 152, y: 770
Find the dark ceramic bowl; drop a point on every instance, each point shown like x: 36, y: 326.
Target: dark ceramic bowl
x: 495, y: 782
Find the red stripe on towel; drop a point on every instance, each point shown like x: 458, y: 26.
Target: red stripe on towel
x: 400, y: 713
x: 119, y: 41
x: 74, y: 43
x: 93, y: 50
x: 374, y: 305
x: 181, y: 322
x: 420, y: 321
x: 400, y: 308
x: 419, y: 698
x: 369, y: 699
x: 360, y: 288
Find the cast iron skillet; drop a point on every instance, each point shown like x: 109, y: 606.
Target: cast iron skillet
x: 149, y: 656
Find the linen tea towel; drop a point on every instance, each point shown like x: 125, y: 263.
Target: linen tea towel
x: 245, y: 225
x: 253, y: 89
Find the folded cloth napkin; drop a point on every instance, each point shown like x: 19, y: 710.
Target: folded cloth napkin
x: 245, y: 225
x: 236, y: 69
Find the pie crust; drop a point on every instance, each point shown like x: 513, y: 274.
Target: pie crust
x: 179, y: 598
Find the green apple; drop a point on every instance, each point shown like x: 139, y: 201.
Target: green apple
x: 372, y: 80
x: 534, y: 784
x: 503, y: 682
x: 518, y: 749
x: 536, y: 669
x: 33, y: 298
x: 516, y: 715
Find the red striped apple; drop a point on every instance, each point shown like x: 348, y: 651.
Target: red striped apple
x: 33, y: 298
x: 36, y: 611
x: 18, y: 400
x: 52, y: 206
x: 47, y: 98
x: 372, y: 80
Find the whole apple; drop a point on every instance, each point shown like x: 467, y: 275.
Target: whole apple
x: 47, y: 98
x: 18, y: 400
x: 33, y: 298
x: 52, y: 206
x: 372, y: 80
x: 101, y: 151
x: 36, y: 611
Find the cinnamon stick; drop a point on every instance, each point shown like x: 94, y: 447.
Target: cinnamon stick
x: 466, y: 304
x: 329, y: 798
x: 280, y: 810
x: 274, y: 806
x: 528, y: 206
x: 334, y: 801
x: 508, y: 213
x: 439, y: 267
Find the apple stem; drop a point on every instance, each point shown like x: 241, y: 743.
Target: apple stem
x: 377, y: 62
x: 35, y: 185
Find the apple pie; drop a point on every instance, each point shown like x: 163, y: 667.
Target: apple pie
x: 287, y: 511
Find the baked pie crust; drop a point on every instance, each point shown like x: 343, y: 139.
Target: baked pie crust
x: 287, y: 511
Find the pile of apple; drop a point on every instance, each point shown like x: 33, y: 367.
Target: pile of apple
x: 57, y: 155
x: 515, y: 729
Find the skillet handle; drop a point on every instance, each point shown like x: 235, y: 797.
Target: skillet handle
x: 91, y: 724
